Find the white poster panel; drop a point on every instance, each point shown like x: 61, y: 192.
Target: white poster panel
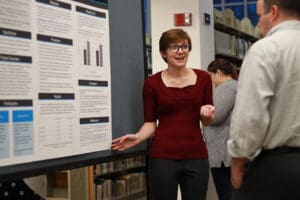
x: 55, y: 84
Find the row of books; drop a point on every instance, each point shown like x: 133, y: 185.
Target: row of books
x: 227, y: 18
x: 231, y: 45
x: 122, y: 186
x: 119, y: 165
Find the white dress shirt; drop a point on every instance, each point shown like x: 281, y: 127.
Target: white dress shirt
x: 267, y: 110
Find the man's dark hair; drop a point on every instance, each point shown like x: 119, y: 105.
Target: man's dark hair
x: 289, y: 6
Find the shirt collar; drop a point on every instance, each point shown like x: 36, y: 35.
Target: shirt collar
x: 290, y: 24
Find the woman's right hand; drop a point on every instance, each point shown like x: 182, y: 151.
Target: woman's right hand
x: 125, y: 142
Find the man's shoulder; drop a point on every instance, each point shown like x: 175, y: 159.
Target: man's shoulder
x: 263, y: 46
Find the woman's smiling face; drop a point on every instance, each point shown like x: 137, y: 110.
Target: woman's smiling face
x: 177, y: 53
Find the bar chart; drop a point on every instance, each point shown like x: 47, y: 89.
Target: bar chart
x: 92, y: 52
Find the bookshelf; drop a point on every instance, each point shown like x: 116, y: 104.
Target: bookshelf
x: 233, y: 31
x: 231, y: 43
x: 68, y: 185
x: 121, y: 179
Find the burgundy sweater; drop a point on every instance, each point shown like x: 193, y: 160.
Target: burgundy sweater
x: 178, y: 134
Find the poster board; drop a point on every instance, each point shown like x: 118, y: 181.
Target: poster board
x: 118, y: 87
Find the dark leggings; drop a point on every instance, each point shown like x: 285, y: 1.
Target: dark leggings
x: 221, y: 176
x: 166, y: 175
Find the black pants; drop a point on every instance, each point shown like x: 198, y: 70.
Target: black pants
x: 274, y: 175
x: 166, y: 175
x: 221, y: 176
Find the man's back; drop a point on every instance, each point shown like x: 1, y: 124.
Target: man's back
x: 284, y: 128
x: 269, y: 92
x: 282, y: 52
x: 265, y: 124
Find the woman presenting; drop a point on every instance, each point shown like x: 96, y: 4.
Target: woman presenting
x: 175, y: 100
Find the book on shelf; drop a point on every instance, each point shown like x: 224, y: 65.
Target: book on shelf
x: 222, y: 42
x: 122, y: 186
x: 231, y: 45
x: 103, y: 189
x: 119, y: 165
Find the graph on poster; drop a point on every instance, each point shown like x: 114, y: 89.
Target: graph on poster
x: 91, y: 54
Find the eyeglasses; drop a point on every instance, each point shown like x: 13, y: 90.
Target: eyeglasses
x: 175, y: 48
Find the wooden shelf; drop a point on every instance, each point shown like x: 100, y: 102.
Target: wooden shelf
x: 57, y: 185
x: 227, y: 29
x: 68, y: 185
x: 122, y: 172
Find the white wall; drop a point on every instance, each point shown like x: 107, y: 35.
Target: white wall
x: 207, y: 47
x: 162, y: 19
x: 202, y: 36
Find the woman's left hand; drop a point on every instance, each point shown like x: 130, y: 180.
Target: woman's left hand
x: 207, y: 114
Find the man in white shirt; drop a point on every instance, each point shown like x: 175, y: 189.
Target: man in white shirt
x: 265, y: 126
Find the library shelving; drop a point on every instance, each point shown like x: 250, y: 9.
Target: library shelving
x: 232, y: 43
x: 68, y: 185
x: 121, y: 179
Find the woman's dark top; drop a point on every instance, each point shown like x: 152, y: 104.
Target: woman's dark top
x: 177, y: 112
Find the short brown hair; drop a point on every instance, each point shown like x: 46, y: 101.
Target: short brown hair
x: 171, y: 36
x: 288, y: 6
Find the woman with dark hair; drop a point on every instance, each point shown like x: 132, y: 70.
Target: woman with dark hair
x: 224, y: 76
x: 175, y: 101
